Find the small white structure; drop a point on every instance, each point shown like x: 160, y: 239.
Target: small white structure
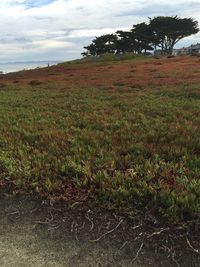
x: 181, y: 51
x: 194, y: 49
x: 191, y: 50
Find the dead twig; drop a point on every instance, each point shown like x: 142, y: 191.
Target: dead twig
x: 34, y: 210
x: 139, y: 236
x: 174, y: 260
x: 138, y: 252
x: 46, y: 223
x: 49, y: 221
x: 136, y: 226
x: 91, y: 221
x: 157, y: 233
x: 13, y: 213
x: 72, y: 227
x: 52, y: 218
x: 76, y: 232
x: 109, y: 232
x: 54, y: 227
x: 125, y: 243
x: 190, y: 245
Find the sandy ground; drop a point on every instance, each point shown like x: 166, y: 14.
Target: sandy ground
x: 21, y: 245
x: 37, y: 233
x: 27, y: 239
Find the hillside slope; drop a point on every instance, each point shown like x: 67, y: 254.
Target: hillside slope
x: 149, y: 72
x: 116, y: 142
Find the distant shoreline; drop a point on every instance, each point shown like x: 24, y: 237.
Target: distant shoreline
x: 8, y: 67
x: 25, y: 62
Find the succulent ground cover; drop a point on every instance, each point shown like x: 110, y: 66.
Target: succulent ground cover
x: 120, y: 135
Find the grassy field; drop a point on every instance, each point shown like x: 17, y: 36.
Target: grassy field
x: 128, y: 147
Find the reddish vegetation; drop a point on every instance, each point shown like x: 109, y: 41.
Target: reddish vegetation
x: 166, y: 71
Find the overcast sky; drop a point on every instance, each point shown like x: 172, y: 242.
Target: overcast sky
x: 58, y: 29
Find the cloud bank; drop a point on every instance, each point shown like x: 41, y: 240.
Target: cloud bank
x: 58, y: 29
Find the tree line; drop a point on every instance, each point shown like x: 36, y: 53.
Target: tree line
x: 161, y: 32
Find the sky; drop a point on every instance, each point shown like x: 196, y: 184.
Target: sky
x: 36, y: 30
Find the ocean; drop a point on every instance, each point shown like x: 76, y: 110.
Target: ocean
x: 17, y: 66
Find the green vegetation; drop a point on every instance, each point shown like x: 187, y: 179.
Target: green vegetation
x: 129, y: 149
x: 109, y: 57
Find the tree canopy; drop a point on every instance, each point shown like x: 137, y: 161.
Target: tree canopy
x: 170, y: 30
x: 161, y: 32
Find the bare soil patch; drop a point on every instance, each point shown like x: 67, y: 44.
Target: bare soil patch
x: 41, y: 233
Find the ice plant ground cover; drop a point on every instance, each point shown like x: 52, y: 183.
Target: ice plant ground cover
x: 124, y: 135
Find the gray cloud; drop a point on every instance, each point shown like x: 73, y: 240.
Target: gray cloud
x: 58, y: 29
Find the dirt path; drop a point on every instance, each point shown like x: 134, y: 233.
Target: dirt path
x: 37, y: 234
